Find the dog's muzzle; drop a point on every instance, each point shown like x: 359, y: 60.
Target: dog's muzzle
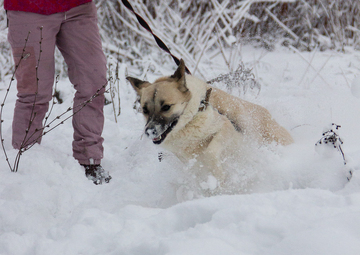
x: 152, y: 131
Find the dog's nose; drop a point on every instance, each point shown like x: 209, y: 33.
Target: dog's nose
x: 151, y: 132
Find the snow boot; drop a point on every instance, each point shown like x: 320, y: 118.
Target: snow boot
x: 97, y: 174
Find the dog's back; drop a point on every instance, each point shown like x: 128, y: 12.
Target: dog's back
x: 251, y: 119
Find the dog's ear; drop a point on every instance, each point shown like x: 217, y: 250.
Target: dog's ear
x: 179, y: 76
x: 137, y: 84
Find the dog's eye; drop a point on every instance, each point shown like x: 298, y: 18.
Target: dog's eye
x: 165, y: 108
x: 145, y: 110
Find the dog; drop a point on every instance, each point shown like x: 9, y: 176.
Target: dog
x: 196, y: 121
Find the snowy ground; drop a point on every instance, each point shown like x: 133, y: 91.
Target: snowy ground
x: 301, y: 202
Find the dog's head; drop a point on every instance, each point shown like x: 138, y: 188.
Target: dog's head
x: 162, y: 102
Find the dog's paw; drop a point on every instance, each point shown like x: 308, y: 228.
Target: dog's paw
x: 211, y: 184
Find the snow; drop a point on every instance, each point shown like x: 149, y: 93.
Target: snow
x: 355, y: 87
x: 289, y: 200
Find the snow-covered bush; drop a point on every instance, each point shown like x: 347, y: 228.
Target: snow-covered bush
x: 198, y: 30
x: 307, y: 23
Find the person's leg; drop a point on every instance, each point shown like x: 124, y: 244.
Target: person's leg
x: 80, y: 43
x: 34, y: 86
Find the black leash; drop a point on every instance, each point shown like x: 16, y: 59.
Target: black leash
x: 159, y: 42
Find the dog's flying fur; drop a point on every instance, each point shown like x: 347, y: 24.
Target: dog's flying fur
x: 177, y: 119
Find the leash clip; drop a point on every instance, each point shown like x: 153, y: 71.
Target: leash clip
x: 205, y: 102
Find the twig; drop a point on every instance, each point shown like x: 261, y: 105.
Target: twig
x: 297, y: 51
x: 48, y: 115
x: 347, y: 82
x: 6, y: 95
x: 222, y: 51
x: 307, y: 68
x: 321, y: 68
x: 75, y: 109
x: 215, y: 20
x: 111, y: 89
x: 33, y: 113
x: 332, y: 137
x: 118, y: 86
x: 53, y: 100
x: 26, y: 140
x: 288, y: 30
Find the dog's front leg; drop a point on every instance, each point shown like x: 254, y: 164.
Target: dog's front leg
x: 212, y: 162
x: 214, y: 153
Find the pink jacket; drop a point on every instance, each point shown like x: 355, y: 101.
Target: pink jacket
x: 42, y: 6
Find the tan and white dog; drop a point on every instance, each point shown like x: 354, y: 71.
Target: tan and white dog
x: 184, y: 117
